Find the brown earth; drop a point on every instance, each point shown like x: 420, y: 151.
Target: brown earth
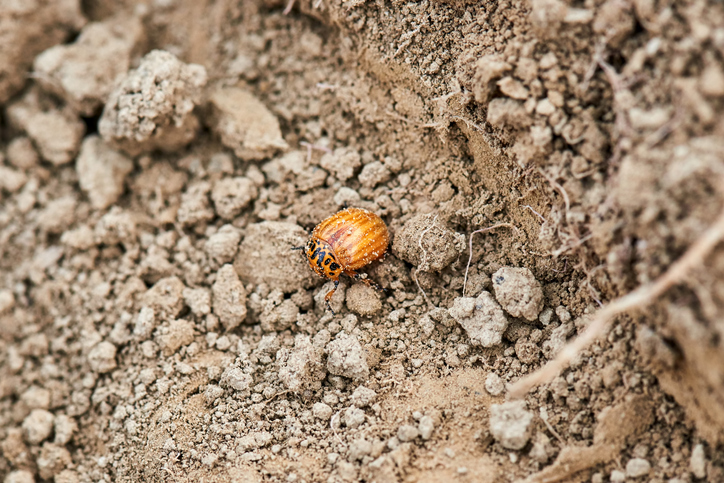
x: 159, y: 161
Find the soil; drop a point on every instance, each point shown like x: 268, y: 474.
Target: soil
x: 160, y: 160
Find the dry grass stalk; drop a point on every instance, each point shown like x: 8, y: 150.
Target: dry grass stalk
x: 637, y: 299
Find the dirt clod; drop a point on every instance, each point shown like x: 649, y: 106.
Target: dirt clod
x: 151, y: 107
x: 342, y: 163
x: 493, y: 384
x: 175, y: 335
x: 518, y: 292
x: 637, y: 467
x: 102, y: 358
x: 244, y: 124
x: 236, y: 379
x: 38, y: 426
x: 426, y: 426
x: 510, y: 424
x: 101, y: 172
x: 222, y: 246
x: 28, y: 29
x: 481, y: 317
x: 363, y: 397
x: 345, y: 357
x: 231, y: 195
x: 427, y: 245
x: 301, y: 368
x: 582, y: 141
x: 82, y: 73
x: 229, y: 297
x: 697, y: 463
x: 166, y: 297
x: 52, y: 460
x: 266, y: 256
x: 56, y: 133
x: 20, y: 476
x: 322, y: 411
x: 407, y: 433
x: 363, y: 300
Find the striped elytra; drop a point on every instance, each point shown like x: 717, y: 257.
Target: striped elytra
x: 345, y: 242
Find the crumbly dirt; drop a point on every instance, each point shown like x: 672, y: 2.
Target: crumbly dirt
x: 159, y: 161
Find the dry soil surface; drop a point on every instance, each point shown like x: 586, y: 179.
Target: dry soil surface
x: 159, y: 160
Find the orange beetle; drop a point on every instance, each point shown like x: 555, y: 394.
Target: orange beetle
x: 345, y: 242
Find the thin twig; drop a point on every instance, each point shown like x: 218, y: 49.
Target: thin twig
x: 594, y: 293
x: 470, y: 258
x: 288, y: 8
x: 639, y: 298
x: 539, y: 215
x: 560, y: 188
x: 550, y: 428
x: 662, y: 132
x: 407, y: 40
x: 332, y: 425
x: 468, y: 122
x: 593, y: 67
x: 564, y: 249
x: 326, y: 87
x: 424, y: 259
x: 310, y: 147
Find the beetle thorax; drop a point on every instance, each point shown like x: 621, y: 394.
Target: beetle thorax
x: 323, y: 259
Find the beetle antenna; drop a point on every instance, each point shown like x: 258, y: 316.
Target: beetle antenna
x: 298, y: 248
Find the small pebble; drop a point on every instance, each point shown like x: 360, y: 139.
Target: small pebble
x: 236, y: 379
x: 38, y: 425
x: 637, y: 467
x: 697, y: 464
x: 359, y: 449
x: 407, y: 433
x: 20, y: 476
x: 426, y: 427
x: 518, y: 292
x: 618, y: 476
x: 7, y: 301
x: 363, y: 396
x: 102, y: 358
x: 546, y: 316
x: 563, y: 314
x: 322, y: 411
x: 353, y: 417
x: 345, y: 357
x: 494, y: 384
x: 510, y: 424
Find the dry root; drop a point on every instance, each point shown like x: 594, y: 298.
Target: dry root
x: 637, y: 299
x: 423, y: 260
x: 470, y: 258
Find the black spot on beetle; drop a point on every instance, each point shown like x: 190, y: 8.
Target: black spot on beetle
x: 328, y: 260
x: 334, y: 266
x: 321, y: 255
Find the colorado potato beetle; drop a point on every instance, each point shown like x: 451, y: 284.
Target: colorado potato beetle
x: 345, y: 242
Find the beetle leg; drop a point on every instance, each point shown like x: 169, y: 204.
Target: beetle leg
x: 360, y: 278
x: 298, y: 248
x: 328, y: 297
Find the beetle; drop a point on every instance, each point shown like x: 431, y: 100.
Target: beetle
x: 345, y: 242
